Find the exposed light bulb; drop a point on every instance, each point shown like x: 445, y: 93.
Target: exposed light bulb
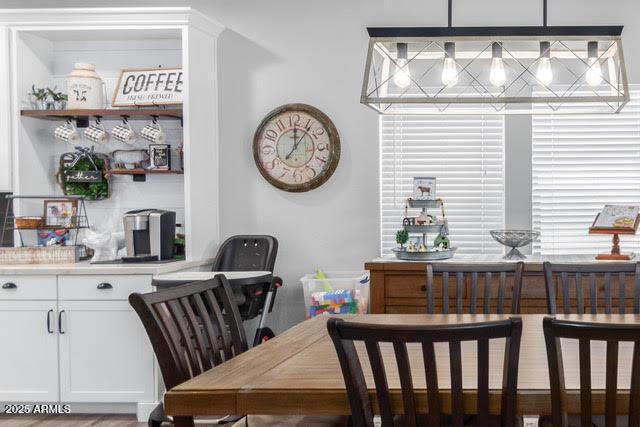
x: 594, y: 72
x: 449, y: 68
x: 497, y: 75
x: 544, y: 73
x: 402, y: 77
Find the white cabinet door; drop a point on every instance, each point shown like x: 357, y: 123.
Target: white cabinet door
x: 105, y: 355
x: 29, y: 356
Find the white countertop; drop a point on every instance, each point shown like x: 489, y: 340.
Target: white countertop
x: 85, y: 267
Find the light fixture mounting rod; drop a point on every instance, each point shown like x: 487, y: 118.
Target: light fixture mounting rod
x: 450, y: 13
x: 544, y: 13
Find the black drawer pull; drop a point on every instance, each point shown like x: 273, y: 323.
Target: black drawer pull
x: 49, y: 321
x: 60, y: 322
x: 423, y: 288
x: 105, y: 286
x: 9, y: 285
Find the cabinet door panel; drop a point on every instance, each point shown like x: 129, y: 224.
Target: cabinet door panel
x: 105, y: 355
x: 29, y: 357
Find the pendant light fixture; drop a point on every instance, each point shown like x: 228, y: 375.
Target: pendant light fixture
x: 502, y: 70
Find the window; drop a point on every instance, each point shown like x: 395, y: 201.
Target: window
x: 581, y: 163
x: 466, y: 154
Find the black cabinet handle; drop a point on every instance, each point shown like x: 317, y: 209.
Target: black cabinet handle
x: 9, y: 285
x: 60, y: 322
x: 49, y: 321
x: 105, y: 286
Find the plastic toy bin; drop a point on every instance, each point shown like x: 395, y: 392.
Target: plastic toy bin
x: 338, y: 293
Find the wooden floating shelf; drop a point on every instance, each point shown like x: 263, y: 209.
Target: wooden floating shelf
x: 144, y: 172
x: 132, y: 113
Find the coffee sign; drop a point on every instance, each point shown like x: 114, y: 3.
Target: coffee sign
x: 156, y: 86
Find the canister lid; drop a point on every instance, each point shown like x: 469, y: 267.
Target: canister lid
x: 84, y: 66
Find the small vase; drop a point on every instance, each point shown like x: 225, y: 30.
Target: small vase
x: 38, y: 104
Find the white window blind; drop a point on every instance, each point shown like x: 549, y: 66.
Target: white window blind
x: 581, y: 163
x: 466, y: 155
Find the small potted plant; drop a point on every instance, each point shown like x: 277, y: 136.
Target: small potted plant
x: 38, y: 98
x: 59, y: 99
x: 402, y: 237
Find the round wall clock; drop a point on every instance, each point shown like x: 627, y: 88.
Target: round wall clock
x: 296, y: 147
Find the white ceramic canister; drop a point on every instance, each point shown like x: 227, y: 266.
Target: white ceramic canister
x: 85, y: 88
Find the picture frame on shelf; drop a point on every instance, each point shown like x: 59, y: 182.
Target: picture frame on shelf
x: 52, y: 237
x: 159, y: 156
x: 60, y: 213
x: 424, y: 188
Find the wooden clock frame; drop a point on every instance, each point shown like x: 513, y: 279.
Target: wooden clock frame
x: 334, y: 140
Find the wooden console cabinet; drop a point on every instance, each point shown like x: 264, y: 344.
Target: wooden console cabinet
x: 399, y: 287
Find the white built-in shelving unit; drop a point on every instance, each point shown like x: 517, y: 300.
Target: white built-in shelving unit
x: 41, y: 46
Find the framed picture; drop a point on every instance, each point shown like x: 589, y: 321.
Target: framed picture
x: 160, y: 156
x: 49, y: 237
x: 60, y: 213
x: 424, y: 188
x: 149, y: 86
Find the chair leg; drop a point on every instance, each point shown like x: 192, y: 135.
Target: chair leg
x: 156, y: 417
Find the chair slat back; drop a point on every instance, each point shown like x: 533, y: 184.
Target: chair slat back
x: 345, y: 334
x: 192, y: 328
x: 499, y: 283
x: 585, y: 332
x: 606, y: 287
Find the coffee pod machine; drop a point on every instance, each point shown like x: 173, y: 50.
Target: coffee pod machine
x: 149, y: 235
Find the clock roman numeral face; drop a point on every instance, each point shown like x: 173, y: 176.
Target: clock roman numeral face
x: 294, y: 148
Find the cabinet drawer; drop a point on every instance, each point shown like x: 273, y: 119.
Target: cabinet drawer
x: 113, y: 287
x: 28, y: 287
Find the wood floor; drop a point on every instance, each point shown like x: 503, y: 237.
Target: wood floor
x: 69, y: 421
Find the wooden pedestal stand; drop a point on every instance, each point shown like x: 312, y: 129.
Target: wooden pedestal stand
x: 615, y: 254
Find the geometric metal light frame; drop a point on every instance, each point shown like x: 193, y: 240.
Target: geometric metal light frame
x: 522, y: 93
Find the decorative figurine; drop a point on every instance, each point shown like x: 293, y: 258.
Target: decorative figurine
x: 411, y: 247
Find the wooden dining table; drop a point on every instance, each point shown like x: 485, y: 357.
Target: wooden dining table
x: 298, y: 372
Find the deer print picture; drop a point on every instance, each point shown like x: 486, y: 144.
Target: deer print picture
x: 424, y: 188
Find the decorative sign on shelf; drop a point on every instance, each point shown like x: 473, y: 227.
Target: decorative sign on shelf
x: 149, y: 86
x: 615, y: 220
x: 160, y: 156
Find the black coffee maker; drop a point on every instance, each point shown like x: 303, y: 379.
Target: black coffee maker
x: 149, y: 235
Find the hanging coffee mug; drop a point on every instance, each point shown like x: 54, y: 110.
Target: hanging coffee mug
x: 124, y: 133
x: 153, y: 132
x: 96, y: 133
x: 67, y: 133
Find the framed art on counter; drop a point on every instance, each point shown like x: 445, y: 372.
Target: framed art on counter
x: 424, y: 188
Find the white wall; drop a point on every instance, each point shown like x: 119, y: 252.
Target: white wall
x: 313, y: 51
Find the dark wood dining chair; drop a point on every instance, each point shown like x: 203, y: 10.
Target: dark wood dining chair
x: 192, y: 328
x: 601, y: 278
x: 344, y: 334
x: 492, y: 284
x: 586, y: 332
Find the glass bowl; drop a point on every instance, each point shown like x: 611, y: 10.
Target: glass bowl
x: 514, y: 239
